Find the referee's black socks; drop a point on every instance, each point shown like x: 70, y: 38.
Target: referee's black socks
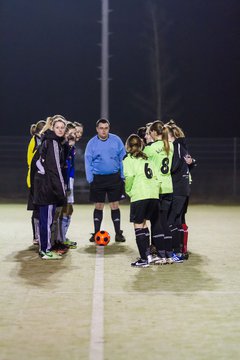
x: 116, y: 218
x: 97, y: 218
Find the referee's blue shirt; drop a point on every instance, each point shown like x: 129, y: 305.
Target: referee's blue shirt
x: 104, y: 157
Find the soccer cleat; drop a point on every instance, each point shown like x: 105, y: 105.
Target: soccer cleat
x: 50, y: 255
x: 174, y: 260
x: 160, y: 261
x: 182, y: 256
x: 92, y: 238
x: 70, y: 244
x: 57, y: 252
x: 59, y: 248
x: 140, y: 263
x: 152, y: 259
x: 119, y: 237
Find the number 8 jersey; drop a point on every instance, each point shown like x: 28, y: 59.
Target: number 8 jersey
x: 156, y: 153
x: 141, y: 178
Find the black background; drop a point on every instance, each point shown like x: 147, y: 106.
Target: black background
x: 50, y: 57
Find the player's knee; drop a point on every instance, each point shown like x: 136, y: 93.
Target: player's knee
x: 69, y: 210
x: 99, y: 206
x: 114, y: 205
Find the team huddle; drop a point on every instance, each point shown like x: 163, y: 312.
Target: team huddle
x: 153, y: 169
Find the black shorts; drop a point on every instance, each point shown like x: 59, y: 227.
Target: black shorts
x: 177, y: 210
x: 142, y: 210
x: 111, y: 185
x: 165, y: 202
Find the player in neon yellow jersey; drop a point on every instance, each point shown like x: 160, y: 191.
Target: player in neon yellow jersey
x: 142, y: 186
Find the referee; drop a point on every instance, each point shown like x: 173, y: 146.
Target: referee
x: 104, y: 171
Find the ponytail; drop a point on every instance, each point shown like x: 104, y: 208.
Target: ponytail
x: 175, y: 130
x: 134, y: 146
x: 165, y: 139
x: 32, y: 129
x: 162, y: 130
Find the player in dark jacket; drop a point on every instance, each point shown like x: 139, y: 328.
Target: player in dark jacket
x: 69, y: 173
x: 49, y: 188
x: 181, y: 179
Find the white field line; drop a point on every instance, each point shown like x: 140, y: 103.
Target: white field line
x: 96, y: 351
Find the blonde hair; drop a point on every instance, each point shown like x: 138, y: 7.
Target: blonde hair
x: 59, y: 119
x: 50, y: 121
x: 175, y: 130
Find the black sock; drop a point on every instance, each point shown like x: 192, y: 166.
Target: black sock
x: 147, y: 239
x: 160, y: 244
x: 175, y: 238
x: 147, y: 234
x: 142, y: 243
x: 181, y: 237
x: 116, y: 217
x: 97, y: 218
x: 168, y: 243
x: 158, y: 238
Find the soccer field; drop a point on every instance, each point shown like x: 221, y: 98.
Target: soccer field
x: 93, y: 305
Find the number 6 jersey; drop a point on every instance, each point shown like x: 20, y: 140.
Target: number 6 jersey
x: 141, y: 178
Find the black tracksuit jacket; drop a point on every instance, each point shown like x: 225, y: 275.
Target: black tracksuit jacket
x: 49, y: 188
x: 180, y: 169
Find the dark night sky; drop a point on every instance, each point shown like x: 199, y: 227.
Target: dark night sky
x: 50, y: 57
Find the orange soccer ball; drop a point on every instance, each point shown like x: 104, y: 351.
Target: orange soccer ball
x: 102, y: 238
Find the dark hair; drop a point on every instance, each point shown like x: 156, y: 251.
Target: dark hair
x: 104, y: 121
x: 141, y: 132
x: 70, y: 125
x: 39, y: 126
x: 78, y: 124
x: 36, y: 128
x: 134, y: 146
x: 159, y: 122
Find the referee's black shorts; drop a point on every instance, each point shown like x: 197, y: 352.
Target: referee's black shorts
x: 111, y: 185
x: 141, y: 210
